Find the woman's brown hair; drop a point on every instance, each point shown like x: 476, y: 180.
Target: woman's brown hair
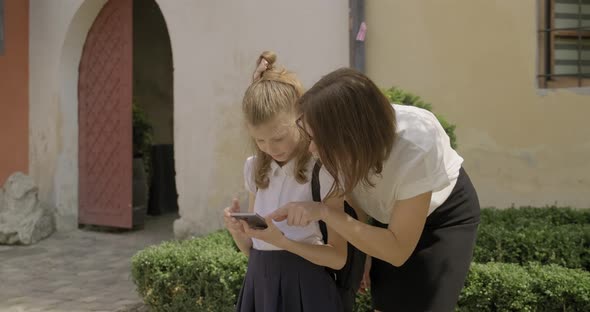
x: 273, y: 91
x: 352, y: 124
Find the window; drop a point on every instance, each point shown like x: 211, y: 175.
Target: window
x: 564, y: 43
x: 1, y: 27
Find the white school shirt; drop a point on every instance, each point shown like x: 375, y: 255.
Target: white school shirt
x: 283, y: 189
x: 421, y: 160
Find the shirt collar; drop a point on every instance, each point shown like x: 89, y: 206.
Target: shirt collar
x: 286, y: 169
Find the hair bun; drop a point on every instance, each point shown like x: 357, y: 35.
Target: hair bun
x: 269, y: 56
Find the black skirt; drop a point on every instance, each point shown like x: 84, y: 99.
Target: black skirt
x: 282, y: 281
x: 432, y: 278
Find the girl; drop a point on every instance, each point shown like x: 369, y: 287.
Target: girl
x: 286, y: 266
x: 395, y: 163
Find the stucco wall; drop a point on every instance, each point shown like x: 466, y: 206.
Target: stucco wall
x: 214, y: 46
x: 475, y: 61
x: 14, y: 96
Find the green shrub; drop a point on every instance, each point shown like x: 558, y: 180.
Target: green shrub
x: 560, y: 289
x: 203, y: 274
x: 524, y: 216
x: 399, y: 96
x: 511, y: 287
x: 545, y: 235
x: 363, y: 302
x: 566, y: 245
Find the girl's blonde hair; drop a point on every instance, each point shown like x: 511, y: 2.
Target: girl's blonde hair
x: 274, y: 91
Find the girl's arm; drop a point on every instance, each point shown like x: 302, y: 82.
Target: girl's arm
x: 393, y: 245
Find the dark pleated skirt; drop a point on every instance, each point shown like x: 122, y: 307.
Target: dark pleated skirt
x: 282, y: 281
x: 433, y: 276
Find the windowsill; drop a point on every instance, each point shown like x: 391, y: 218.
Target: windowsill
x: 575, y: 90
x: 566, y: 83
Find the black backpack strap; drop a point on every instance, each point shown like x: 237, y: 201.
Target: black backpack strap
x: 315, y: 182
x: 347, y: 279
x: 316, y: 195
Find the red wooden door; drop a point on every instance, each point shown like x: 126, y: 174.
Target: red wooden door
x: 105, y: 99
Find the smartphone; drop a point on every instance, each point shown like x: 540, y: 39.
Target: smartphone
x: 253, y: 219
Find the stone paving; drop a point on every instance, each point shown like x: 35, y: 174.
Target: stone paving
x: 82, y: 270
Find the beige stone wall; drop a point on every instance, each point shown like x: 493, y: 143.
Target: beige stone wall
x: 475, y: 61
x: 214, y: 46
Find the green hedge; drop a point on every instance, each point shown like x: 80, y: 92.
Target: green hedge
x: 205, y: 274
x: 511, y: 287
x: 524, y: 216
x: 548, y: 235
x: 567, y: 245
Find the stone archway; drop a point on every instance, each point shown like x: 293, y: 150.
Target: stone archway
x: 66, y: 175
x: 66, y: 188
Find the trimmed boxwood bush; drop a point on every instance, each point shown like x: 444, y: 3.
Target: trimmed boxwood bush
x: 205, y: 274
x: 545, y: 235
x: 511, y: 287
x: 519, y: 217
x: 567, y: 245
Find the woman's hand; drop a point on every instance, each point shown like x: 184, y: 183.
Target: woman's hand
x: 231, y: 223
x: 271, y: 234
x: 300, y: 213
x: 366, y: 281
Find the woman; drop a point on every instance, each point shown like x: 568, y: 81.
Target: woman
x: 396, y: 164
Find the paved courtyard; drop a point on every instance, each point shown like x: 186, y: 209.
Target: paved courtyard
x: 81, y: 270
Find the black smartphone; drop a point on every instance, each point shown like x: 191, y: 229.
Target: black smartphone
x: 253, y: 219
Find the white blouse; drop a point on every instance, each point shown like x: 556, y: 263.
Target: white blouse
x: 421, y: 160
x: 282, y: 189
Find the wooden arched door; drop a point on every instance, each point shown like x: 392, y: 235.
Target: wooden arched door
x: 105, y: 94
